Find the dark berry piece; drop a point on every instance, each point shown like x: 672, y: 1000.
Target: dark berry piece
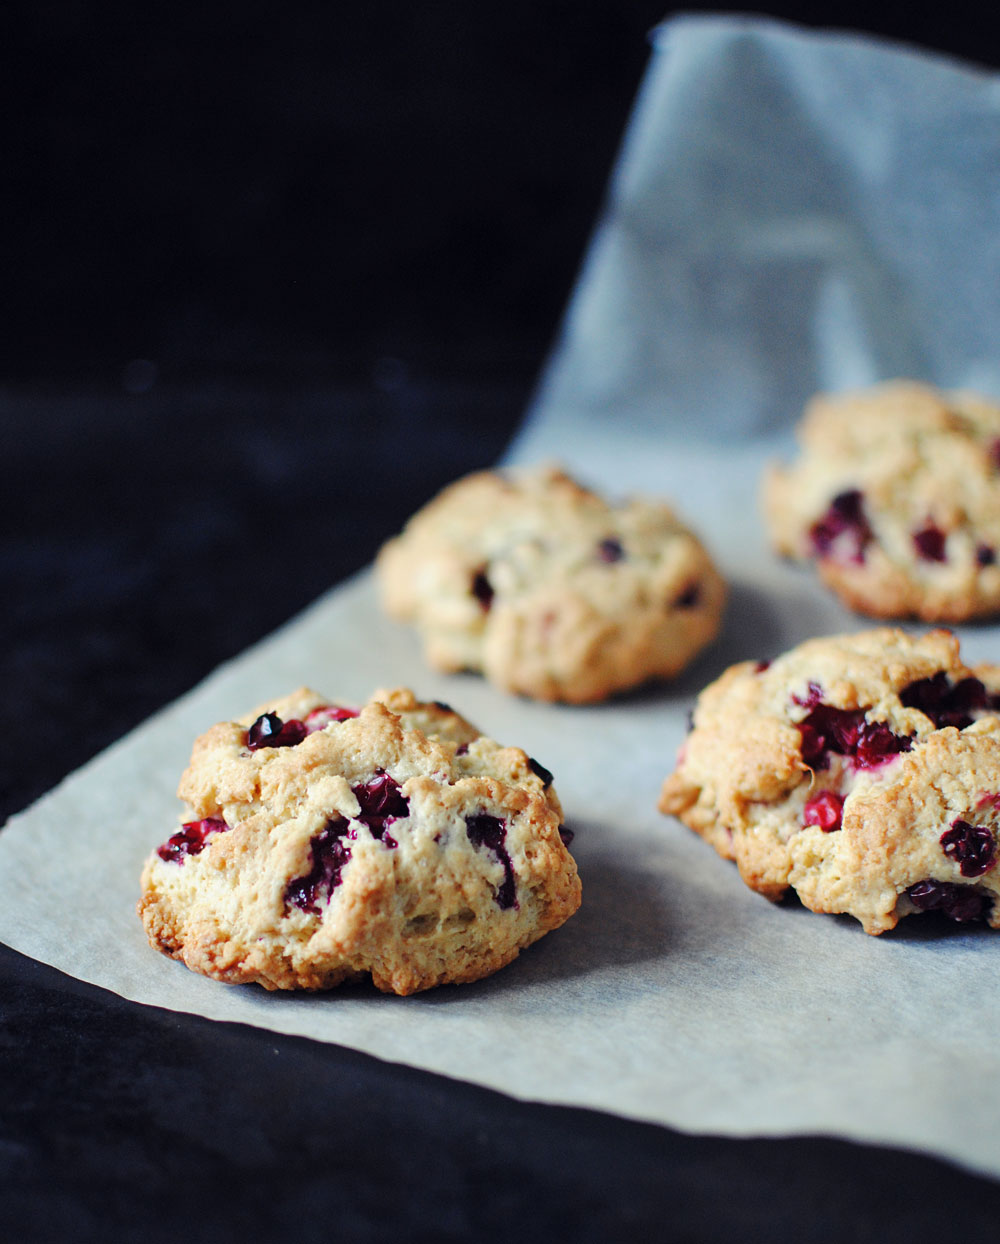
x: 929, y: 542
x: 812, y: 746
x: 270, y: 731
x: 985, y: 556
x: 946, y: 704
x: 381, y: 804
x: 567, y: 835
x: 490, y: 832
x: 845, y: 732
x: 877, y: 744
x: 540, y: 771
x: 324, y: 716
x: 844, y: 525
x: 840, y: 727
x: 610, y: 550
x: 813, y: 696
x: 761, y: 666
x: 190, y: 839
x: 482, y: 589
x: 825, y: 809
x: 330, y: 853
x: 689, y: 597
x: 263, y: 730
x: 445, y: 708
x: 486, y: 831
x: 461, y: 749
x: 972, y: 847
x: 957, y: 902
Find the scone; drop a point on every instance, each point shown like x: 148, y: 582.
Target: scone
x: 896, y: 497
x: 862, y: 771
x: 548, y: 590
x: 323, y: 844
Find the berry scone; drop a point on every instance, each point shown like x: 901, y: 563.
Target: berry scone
x: 323, y: 844
x: 896, y: 497
x: 862, y: 771
x: 548, y: 590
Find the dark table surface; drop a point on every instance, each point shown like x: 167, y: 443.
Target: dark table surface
x: 258, y: 320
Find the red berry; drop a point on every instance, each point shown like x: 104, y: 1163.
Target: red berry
x: 824, y: 809
x: 191, y: 839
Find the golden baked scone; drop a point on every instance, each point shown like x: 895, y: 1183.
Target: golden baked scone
x: 323, y: 844
x: 896, y: 498
x: 548, y: 590
x: 862, y: 771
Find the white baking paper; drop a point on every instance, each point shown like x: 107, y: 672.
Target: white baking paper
x: 790, y: 212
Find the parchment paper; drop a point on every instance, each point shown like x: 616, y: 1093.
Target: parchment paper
x: 757, y: 245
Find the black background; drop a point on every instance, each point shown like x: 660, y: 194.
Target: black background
x: 298, y: 192
x: 273, y: 275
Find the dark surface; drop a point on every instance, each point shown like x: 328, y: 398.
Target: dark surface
x: 144, y: 1125
x: 157, y: 534
x: 272, y: 281
x: 226, y: 187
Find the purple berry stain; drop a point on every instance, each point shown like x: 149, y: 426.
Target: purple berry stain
x: 844, y: 525
x: 957, y: 902
x: 270, y: 731
x: 567, y: 835
x: 825, y: 809
x: 689, y: 597
x: 610, y: 550
x: 330, y: 853
x: 190, y: 839
x: 985, y: 556
x: 381, y: 804
x: 929, y: 542
x: 971, y: 847
x: 490, y: 832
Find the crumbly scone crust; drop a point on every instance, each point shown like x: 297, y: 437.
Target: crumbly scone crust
x: 923, y: 461
x: 415, y: 910
x: 548, y: 590
x: 743, y: 778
